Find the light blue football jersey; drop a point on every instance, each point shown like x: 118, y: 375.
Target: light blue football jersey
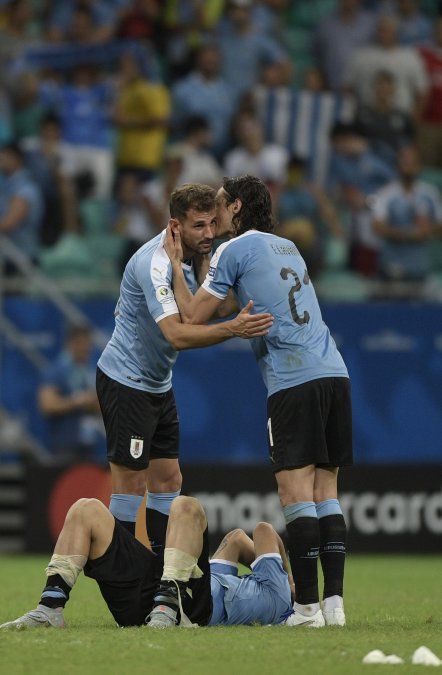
x: 270, y: 271
x: 138, y: 355
x: 261, y: 597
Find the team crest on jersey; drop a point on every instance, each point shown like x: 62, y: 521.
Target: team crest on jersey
x: 164, y: 294
x: 136, y: 446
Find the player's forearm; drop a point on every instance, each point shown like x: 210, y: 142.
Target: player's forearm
x: 187, y: 336
x: 183, y: 295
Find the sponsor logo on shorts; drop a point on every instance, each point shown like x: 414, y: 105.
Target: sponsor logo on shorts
x: 136, y: 446
x: 164, y: 294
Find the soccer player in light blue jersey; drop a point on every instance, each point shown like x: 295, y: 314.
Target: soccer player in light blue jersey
x: 134, y: 374
x: 187, y: 590
x: 309, y: 408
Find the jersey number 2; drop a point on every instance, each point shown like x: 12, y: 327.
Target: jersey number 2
x: 285, y: 273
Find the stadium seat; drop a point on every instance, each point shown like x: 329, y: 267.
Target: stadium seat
x: 95, y: 215
x: 70, y: 257
x: 335, y: 253
x: 106, y: 250
x: 436, y: 255
x: 307, y: 14
x: 342, y: 286
x: 433, y: 175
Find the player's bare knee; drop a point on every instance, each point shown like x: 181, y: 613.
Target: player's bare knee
x: 263, y: 530
x: 190, y: 507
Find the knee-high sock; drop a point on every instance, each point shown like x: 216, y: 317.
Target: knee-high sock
x: 303, y: 535
x: 333, y: 534
x: 124, y: 508
x: 157, y: 516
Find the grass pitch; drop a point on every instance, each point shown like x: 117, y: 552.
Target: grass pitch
x: 392, y: 603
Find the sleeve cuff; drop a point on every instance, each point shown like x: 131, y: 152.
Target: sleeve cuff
x: 206, y: 286
x: 169, y: 313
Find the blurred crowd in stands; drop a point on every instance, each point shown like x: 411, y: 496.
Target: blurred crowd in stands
x: 107, y: 105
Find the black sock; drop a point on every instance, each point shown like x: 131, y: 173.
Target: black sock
x: 56, y: 592
x: 156, y: 526
x: 303, y: 536
x: 168, y: 594
x: 129, y: 525
x: 333, y: 534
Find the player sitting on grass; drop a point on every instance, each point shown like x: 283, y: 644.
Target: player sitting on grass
x: 92, y: 540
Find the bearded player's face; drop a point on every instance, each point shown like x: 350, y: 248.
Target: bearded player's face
x: 197, y: 231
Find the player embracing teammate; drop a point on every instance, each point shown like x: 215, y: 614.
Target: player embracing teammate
x: 309, y: 407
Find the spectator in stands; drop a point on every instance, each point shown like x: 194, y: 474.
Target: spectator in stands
x: 253, y: 156
x: 21, y: 205
x: 142, y: 118
x: 29, y: 110
x: 43, y: 155
x: 68, y: 399
x: 245, y: 49
x: 82, y: 21
x: 405, y: 214
x: 15, y: 38
x: 83, y: 109
x: 431, y: 127
x: 338, y: 36
x: 306, y: 215
x: 157, y: 192
x: 132, y: 219
x: 204, y: 92
x: 139, y: 19
x: 386, y: 128
x: 404, y: 63
x: 199, y: 165
x: 354, y: 163
x: 414, y: 27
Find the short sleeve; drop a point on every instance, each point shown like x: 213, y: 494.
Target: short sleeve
x: 380, y: 205
x: 156, y: 282
x: 223, y: 272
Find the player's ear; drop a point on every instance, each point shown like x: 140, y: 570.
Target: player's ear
x: 237, y: 204
x: 174, y: 225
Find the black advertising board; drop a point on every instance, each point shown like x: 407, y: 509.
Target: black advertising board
x: 388, y: 509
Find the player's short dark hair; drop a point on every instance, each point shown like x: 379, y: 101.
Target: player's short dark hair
x: 191, y: 196
x: 256, y: 209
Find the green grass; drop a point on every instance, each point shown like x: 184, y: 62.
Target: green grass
x: 392, y: 603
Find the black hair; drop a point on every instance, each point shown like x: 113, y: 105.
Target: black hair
x: 196, y: 123
x: 14, y: 149
x: 342, y: 130
x: 256, y: 208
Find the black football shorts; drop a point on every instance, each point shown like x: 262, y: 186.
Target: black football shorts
x: 128, y: 575
x: 311, y: 424
x: 139, y: 425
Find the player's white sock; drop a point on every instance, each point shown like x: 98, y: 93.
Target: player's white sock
x: 333, y: 611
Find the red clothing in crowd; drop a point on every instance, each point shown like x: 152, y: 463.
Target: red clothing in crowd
x: 432, y: 57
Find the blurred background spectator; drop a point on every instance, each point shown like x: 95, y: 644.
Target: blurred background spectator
x: 109, y: 105
x: 406, y: 212
x: 141, y: 118
x: 21, y: 205
x: 387, y: 54
x: 68, y: 400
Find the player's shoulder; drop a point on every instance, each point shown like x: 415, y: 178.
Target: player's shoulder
x: 244, y: 241
x: 151, y: 259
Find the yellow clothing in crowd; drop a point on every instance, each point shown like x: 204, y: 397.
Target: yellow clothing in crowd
x: 142, y: 102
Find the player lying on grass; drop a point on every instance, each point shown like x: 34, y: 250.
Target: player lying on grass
x: 92, y: 540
